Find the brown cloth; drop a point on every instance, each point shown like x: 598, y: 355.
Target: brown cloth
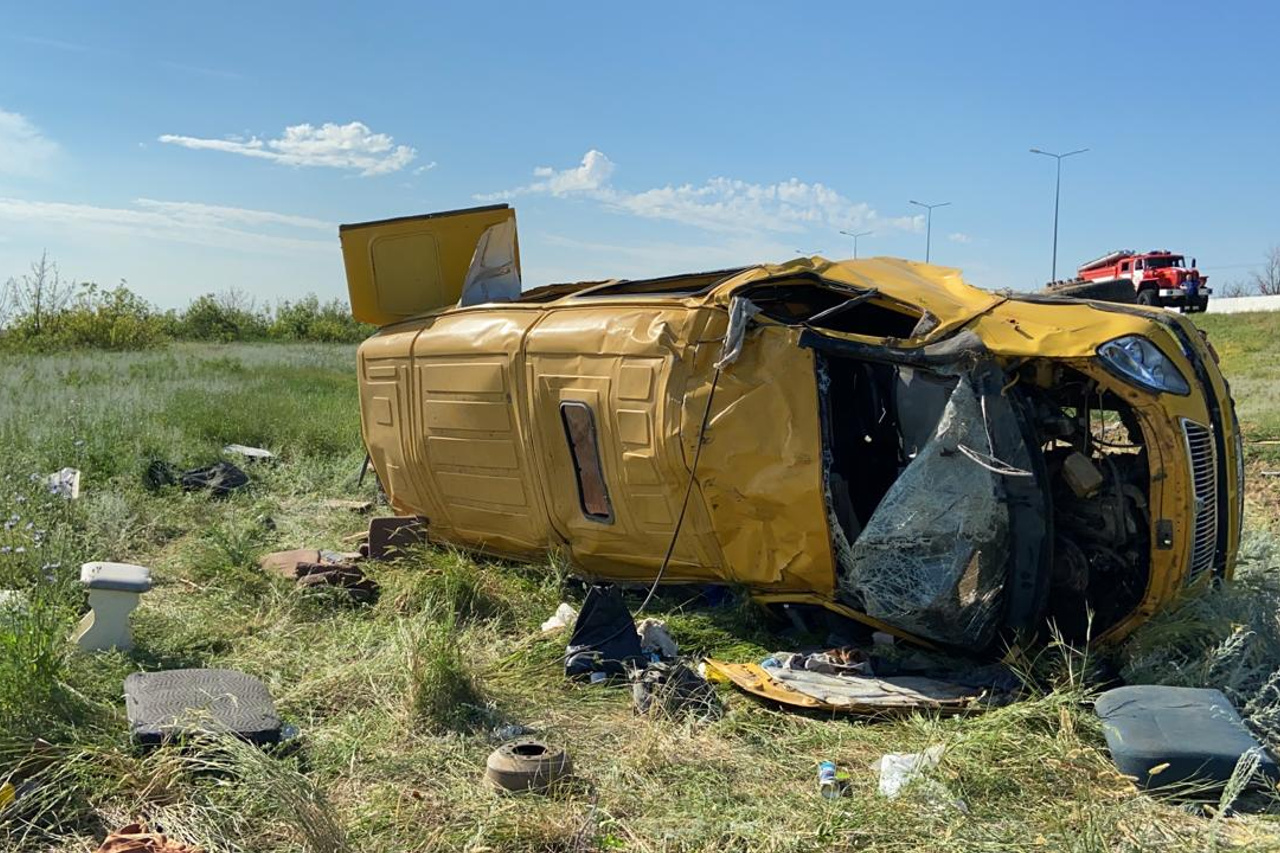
x: 135, y: 839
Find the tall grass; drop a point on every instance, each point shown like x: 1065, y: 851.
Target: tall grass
x: 396, y: 702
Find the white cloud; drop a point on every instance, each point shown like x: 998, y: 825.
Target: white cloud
x: 195, y: 213
x: 24, y: 150
x: 720, y: 204
x: 959, y: 237
x: 591, y: 176
x: 181, y: 222
x: 337, y: 146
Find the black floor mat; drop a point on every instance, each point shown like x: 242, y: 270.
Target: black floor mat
x: 177, y: 702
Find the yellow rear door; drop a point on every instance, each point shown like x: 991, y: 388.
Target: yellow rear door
x: 402, y: 268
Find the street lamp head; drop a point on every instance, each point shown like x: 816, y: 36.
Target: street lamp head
x: 1058, y: 156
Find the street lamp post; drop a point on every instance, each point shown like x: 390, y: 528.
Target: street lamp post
x: 855, y: 239
x: 1057, y: 192
x: 928, y: 228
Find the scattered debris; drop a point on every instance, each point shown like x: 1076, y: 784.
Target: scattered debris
x: 134, y: 838
x: 315, y: 568
x: 511, y: 731
x: 114, y: 591
x: 221, y: 478
x: 358, y: 507
x: 1271, y: 473
x: 342, y: 576
x: 253, y: 454
x: 656, y: 640
x: 285, y: 563
x: 851, y: 693
x: 527, y: 765
x: 1168, y: 736
x: 842, y: 661
x: 673, y: 690
x: 182, y: 702
x: 564, y: 616
x: 604, y: 641
x: 65, y: 482
x: 832, y: 782
x: 390, y: 536
x: 899, y: 769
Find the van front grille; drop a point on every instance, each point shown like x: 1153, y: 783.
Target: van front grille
x: 1204, y: 477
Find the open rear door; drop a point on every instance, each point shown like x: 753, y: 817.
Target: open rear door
x: 401, y: 268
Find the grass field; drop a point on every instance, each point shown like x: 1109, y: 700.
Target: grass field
x: 395, y: 703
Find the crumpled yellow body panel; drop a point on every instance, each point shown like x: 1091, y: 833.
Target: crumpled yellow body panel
x: 760, y: 474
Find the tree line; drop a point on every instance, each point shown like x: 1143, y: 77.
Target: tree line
x: 42, y: 311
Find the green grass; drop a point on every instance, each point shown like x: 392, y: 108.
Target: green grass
x: 1246, y: 345
x: 395, y: 702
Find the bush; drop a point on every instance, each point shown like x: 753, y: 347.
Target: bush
x: 310, y: 320
x: 41, y: 312
x: 116, y: 319
x: 223, y: 319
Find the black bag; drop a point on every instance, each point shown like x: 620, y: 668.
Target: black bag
x: 604, y: 637
x: 221, y: 478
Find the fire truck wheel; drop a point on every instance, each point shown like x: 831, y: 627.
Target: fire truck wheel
x: 1148, y: 297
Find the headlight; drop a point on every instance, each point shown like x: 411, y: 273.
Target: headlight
x: 1141, y: 362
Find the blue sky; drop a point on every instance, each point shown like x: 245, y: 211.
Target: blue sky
x: 191, y: 147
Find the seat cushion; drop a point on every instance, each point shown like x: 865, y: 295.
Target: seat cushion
x: 1183, y: 734
x: 177, y: 702
x: 121, y: 577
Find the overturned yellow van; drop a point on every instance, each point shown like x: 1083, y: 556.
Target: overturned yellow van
x: 872, y: 436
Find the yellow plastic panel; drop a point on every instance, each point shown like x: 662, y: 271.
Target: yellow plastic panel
x: 402, y: 268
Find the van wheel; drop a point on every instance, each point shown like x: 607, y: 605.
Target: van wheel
x: 1148, y: 297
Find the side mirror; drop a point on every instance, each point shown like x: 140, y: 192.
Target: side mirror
x: 1193, y: 263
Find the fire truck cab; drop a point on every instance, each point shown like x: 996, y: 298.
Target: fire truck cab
x: 1159, y: 277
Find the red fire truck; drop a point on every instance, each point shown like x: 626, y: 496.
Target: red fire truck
x: 1157, y: 277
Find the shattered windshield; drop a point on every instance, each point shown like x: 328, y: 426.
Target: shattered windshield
x: 933, y: 556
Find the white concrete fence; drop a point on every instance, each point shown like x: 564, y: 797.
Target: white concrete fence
x: 1239, y: 304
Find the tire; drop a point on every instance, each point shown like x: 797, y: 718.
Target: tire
x: 527, y: 765
x: 1149, y: 298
